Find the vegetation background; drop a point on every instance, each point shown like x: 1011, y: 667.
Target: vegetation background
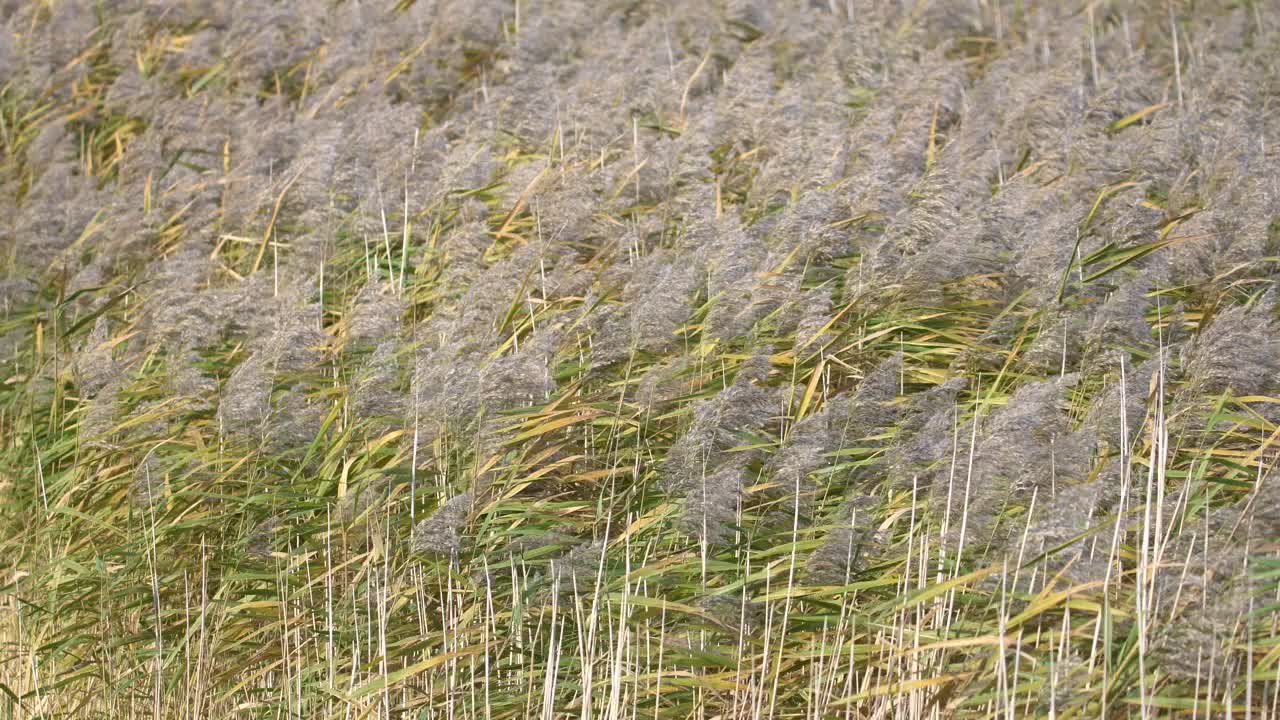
x: 639, y: 359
